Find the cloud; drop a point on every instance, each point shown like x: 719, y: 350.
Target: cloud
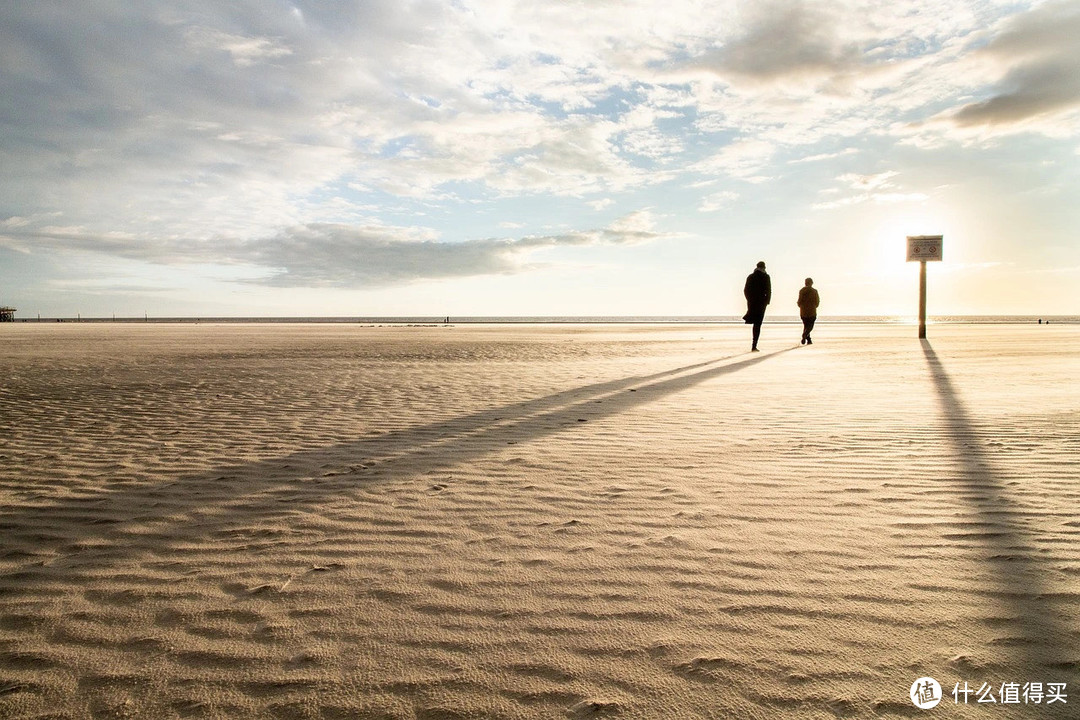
x: 108, y: 286
x: 877, y: 188
x: 340, y: 255
x: 326, y: 255
x: 206, y: 118
x: 343, y: 143
x: 244, y: 50
x: 811, y: 81
x: 824, y: 156
x: 573, y: 158
x: 1037, y: 52
x: 807, y: 78
x: 786, y: 42
x: 868, y: 182
x: 745, y: 158
x: 717, y: 201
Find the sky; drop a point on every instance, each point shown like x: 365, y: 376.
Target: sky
x: 533, y: 157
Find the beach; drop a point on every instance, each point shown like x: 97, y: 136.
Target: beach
x: 537, y: 521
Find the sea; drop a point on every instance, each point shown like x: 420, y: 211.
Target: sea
x: 586, y: 319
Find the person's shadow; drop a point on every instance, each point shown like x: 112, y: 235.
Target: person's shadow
x: 110, y: 526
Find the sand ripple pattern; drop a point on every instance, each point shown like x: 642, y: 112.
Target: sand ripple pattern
x: 226, y: 521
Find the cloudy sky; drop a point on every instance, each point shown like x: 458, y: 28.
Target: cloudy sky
x: 534, y: 157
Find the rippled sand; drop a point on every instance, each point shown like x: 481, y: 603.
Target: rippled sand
x: 340, y: 521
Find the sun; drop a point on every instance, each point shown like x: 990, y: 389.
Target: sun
x: 890, y: 232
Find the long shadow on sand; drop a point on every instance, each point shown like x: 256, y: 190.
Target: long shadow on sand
x: 112, y: 525
x: 1042, y: 642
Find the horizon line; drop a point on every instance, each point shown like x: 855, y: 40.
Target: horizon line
x: 542, y: 319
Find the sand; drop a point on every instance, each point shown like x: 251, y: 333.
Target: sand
x: 345, y: 521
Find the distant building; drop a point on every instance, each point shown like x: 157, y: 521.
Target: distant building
x: 7, y: 314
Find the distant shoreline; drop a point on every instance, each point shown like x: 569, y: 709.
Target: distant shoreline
x: 567, y: 320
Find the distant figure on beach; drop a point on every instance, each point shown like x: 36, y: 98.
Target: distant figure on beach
x: 808, y: 303
x: 758, y: 293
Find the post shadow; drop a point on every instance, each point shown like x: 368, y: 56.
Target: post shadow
x: 233, y: 495
x: 1044, y: 641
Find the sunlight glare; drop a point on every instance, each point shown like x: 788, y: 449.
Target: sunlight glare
x: 889, y: 240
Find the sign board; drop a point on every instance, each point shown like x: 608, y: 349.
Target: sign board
x: 923, y: 247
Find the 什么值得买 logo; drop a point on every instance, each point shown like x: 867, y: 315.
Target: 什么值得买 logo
x: 925, y: 693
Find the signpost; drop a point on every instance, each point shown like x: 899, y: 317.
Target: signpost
x: 923, y: 248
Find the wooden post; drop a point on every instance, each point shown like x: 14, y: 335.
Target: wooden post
x: 922, y: 300
x: 922, y: 248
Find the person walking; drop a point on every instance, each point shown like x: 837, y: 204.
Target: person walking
x: 808, y: 304
x: 758, y: 293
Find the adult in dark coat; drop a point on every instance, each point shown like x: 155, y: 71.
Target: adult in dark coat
x: 758, y: 293
x: 808, y: 304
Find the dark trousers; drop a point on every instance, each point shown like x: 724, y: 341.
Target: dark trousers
x: 757, y: 333
x: 807, y: 326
